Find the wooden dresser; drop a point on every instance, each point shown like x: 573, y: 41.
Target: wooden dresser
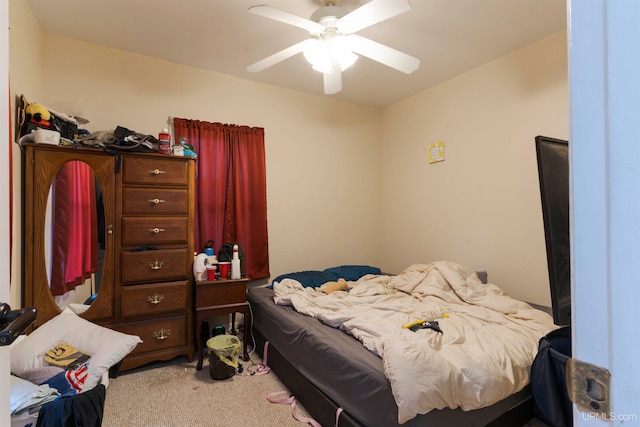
x: 154, y: 255
x: 146, y: 212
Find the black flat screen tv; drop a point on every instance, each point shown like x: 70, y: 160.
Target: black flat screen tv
x: 553, y: 173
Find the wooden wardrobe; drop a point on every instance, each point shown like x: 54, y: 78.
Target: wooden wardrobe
x: 143, y: 284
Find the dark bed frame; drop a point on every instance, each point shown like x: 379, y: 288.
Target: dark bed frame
x: 323, y: 409
x: 552, y: 156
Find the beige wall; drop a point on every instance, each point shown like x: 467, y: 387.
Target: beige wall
x: 348, y: 184
x: 26, y: 43
x: 481, y: 206
x: 323, y: 156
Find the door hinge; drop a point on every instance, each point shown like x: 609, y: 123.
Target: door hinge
x: 588, y: 387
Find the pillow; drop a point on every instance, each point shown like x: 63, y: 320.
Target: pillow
x: 106, y: 347
x: 352, y: 273
x: 308, y: 279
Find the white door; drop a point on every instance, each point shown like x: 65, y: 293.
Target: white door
x: 5, y: 250
x: 604, y: 82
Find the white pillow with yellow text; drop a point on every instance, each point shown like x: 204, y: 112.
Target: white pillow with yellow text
x: 106, y: 346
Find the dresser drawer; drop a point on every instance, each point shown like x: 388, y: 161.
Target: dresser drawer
x: 157, y: 298
x: 157, y: 334
x: 155, y: 170
x: 209, y: 294
x: 155, y: 265
x: 154, y: 230
x: 154, y: 201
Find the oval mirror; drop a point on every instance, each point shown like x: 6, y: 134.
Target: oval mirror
x: 75, y: 236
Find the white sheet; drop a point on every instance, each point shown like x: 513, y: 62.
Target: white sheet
x: 484, y: 354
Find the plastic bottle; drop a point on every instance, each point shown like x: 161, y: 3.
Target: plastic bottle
x: 164, y: 138
x: 208, y: 248
x: 188, y: 150
x: 178, y: 150
x: 235, y: 264
x: 200, y: 267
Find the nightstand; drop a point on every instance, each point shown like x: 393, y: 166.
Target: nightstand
x: 217, y: 298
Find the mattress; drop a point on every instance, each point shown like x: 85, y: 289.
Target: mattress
x: 350, y: 375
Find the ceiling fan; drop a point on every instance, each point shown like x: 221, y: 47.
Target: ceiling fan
x: 333, y: 45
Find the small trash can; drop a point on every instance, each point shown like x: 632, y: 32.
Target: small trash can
x: 223, y: 356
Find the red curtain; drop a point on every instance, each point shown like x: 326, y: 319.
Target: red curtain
x: 74, y: 254
x: 231, y: 189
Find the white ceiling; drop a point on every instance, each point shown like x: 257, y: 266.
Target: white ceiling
x: 450, y: 37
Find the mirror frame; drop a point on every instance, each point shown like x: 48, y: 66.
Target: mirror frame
x: 42, y: 162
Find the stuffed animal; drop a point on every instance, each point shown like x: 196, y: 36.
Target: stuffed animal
x: 38, y: 114
x: 329, y: 287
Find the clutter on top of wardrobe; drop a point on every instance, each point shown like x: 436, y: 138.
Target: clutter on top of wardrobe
x: 40, y: 124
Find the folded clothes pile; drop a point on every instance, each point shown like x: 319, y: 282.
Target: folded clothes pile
x: 27, y: 397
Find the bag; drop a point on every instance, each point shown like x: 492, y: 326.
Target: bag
x: 223, y: 356
x: 225, y: 254
x: 548, y: 379
x: 119, y: 139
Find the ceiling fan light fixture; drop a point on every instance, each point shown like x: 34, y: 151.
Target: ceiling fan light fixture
x: 322, y: 54
x: 334, y: 46
x: 328, y: 15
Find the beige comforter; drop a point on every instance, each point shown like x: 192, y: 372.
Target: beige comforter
x: 484, y: 354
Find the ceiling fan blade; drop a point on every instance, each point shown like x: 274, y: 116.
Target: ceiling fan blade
x: 277, y: 57
x: 371, y: 13
x: 333, y: 80
x: 287, y: 18
x: 384, y: 54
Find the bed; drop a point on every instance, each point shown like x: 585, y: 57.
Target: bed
x: 338, y: 380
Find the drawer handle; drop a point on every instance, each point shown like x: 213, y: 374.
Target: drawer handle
x: 162, y: 334
x: 156, y: 230
x: 155, y: 201
x: 156, y: 172
x: 155, y: 298
x: 156, y: 265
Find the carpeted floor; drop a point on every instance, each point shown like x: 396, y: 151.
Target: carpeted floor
x: 174, y: 394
